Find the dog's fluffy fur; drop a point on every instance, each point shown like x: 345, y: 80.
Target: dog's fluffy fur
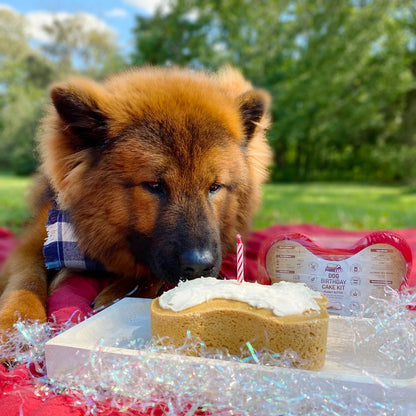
x: 159, y: 170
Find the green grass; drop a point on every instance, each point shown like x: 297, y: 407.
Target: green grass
x: 346, y: 206
x: 14, y: 212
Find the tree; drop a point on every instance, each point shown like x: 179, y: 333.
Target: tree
x: 180, y: 36
x: 24, y: 75
x: 338, y: 73
x: 19, y: 119
x: 75, y: 46
x: 28, y: 67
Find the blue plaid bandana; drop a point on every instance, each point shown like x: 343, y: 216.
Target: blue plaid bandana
x: 61, y: 249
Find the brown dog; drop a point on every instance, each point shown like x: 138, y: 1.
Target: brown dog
x: 158, y: 169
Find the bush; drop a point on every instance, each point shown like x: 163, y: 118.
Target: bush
x: 19, y: 119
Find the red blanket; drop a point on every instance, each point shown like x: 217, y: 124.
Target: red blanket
x: 19, y: 388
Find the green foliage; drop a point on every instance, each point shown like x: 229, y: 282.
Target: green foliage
x: 26, y: 71
x: 19, y: 117
x: 74, y: 45
x: 176, y: 37
x: 340, y: 74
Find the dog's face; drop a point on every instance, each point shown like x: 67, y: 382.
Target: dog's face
x: 155, y: 169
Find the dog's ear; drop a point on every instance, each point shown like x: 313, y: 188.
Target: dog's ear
x: 76, y: 103
x: 253, y: 106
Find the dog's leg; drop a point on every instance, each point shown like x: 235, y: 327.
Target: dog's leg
x: 23, y: 281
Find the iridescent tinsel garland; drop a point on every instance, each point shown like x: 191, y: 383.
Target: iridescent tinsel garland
x: 385, y: 342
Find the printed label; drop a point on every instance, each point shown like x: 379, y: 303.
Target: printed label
x: 346, y: 282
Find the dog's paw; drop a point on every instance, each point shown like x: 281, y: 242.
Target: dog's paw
x: 14, y: 306
x: 20, y: 305
x: 144, y: 288
x: 110, y: 295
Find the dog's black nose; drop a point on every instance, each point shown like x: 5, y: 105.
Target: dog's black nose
x: 196, y: 263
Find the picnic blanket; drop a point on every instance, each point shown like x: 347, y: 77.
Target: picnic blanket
x: 20, y: 387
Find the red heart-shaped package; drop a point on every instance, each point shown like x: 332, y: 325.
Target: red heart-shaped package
x: 346, y: 272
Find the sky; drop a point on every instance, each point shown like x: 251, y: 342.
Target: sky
x: 117, y: 15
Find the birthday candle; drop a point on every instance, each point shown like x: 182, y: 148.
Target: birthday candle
x: 240, y: 259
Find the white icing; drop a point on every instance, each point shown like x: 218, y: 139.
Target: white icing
x: 283, y: 298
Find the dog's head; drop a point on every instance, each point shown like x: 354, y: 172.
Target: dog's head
x: 159, y: 168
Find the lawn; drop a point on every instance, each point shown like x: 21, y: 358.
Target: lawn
x: 14, y: 211
x: 346, y: 206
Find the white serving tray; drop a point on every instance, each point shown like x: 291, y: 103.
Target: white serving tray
x: 113, y: 328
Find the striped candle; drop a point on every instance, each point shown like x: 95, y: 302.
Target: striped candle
x: 240, y: 260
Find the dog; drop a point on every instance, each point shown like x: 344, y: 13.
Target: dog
x: 151, y: 173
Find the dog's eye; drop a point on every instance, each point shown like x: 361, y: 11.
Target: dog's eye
x: 215, y: 187
x: 155, y: 187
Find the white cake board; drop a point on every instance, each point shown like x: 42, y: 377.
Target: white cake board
x: 129, y: 319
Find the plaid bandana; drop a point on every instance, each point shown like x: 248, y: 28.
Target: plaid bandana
x: 60, y: 249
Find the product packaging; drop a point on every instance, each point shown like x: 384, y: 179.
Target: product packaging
x: 348, y: 272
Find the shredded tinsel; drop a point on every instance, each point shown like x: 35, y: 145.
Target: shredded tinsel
x: 384, y: 343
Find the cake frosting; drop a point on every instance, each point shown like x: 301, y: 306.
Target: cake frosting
x: 283, y: 298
